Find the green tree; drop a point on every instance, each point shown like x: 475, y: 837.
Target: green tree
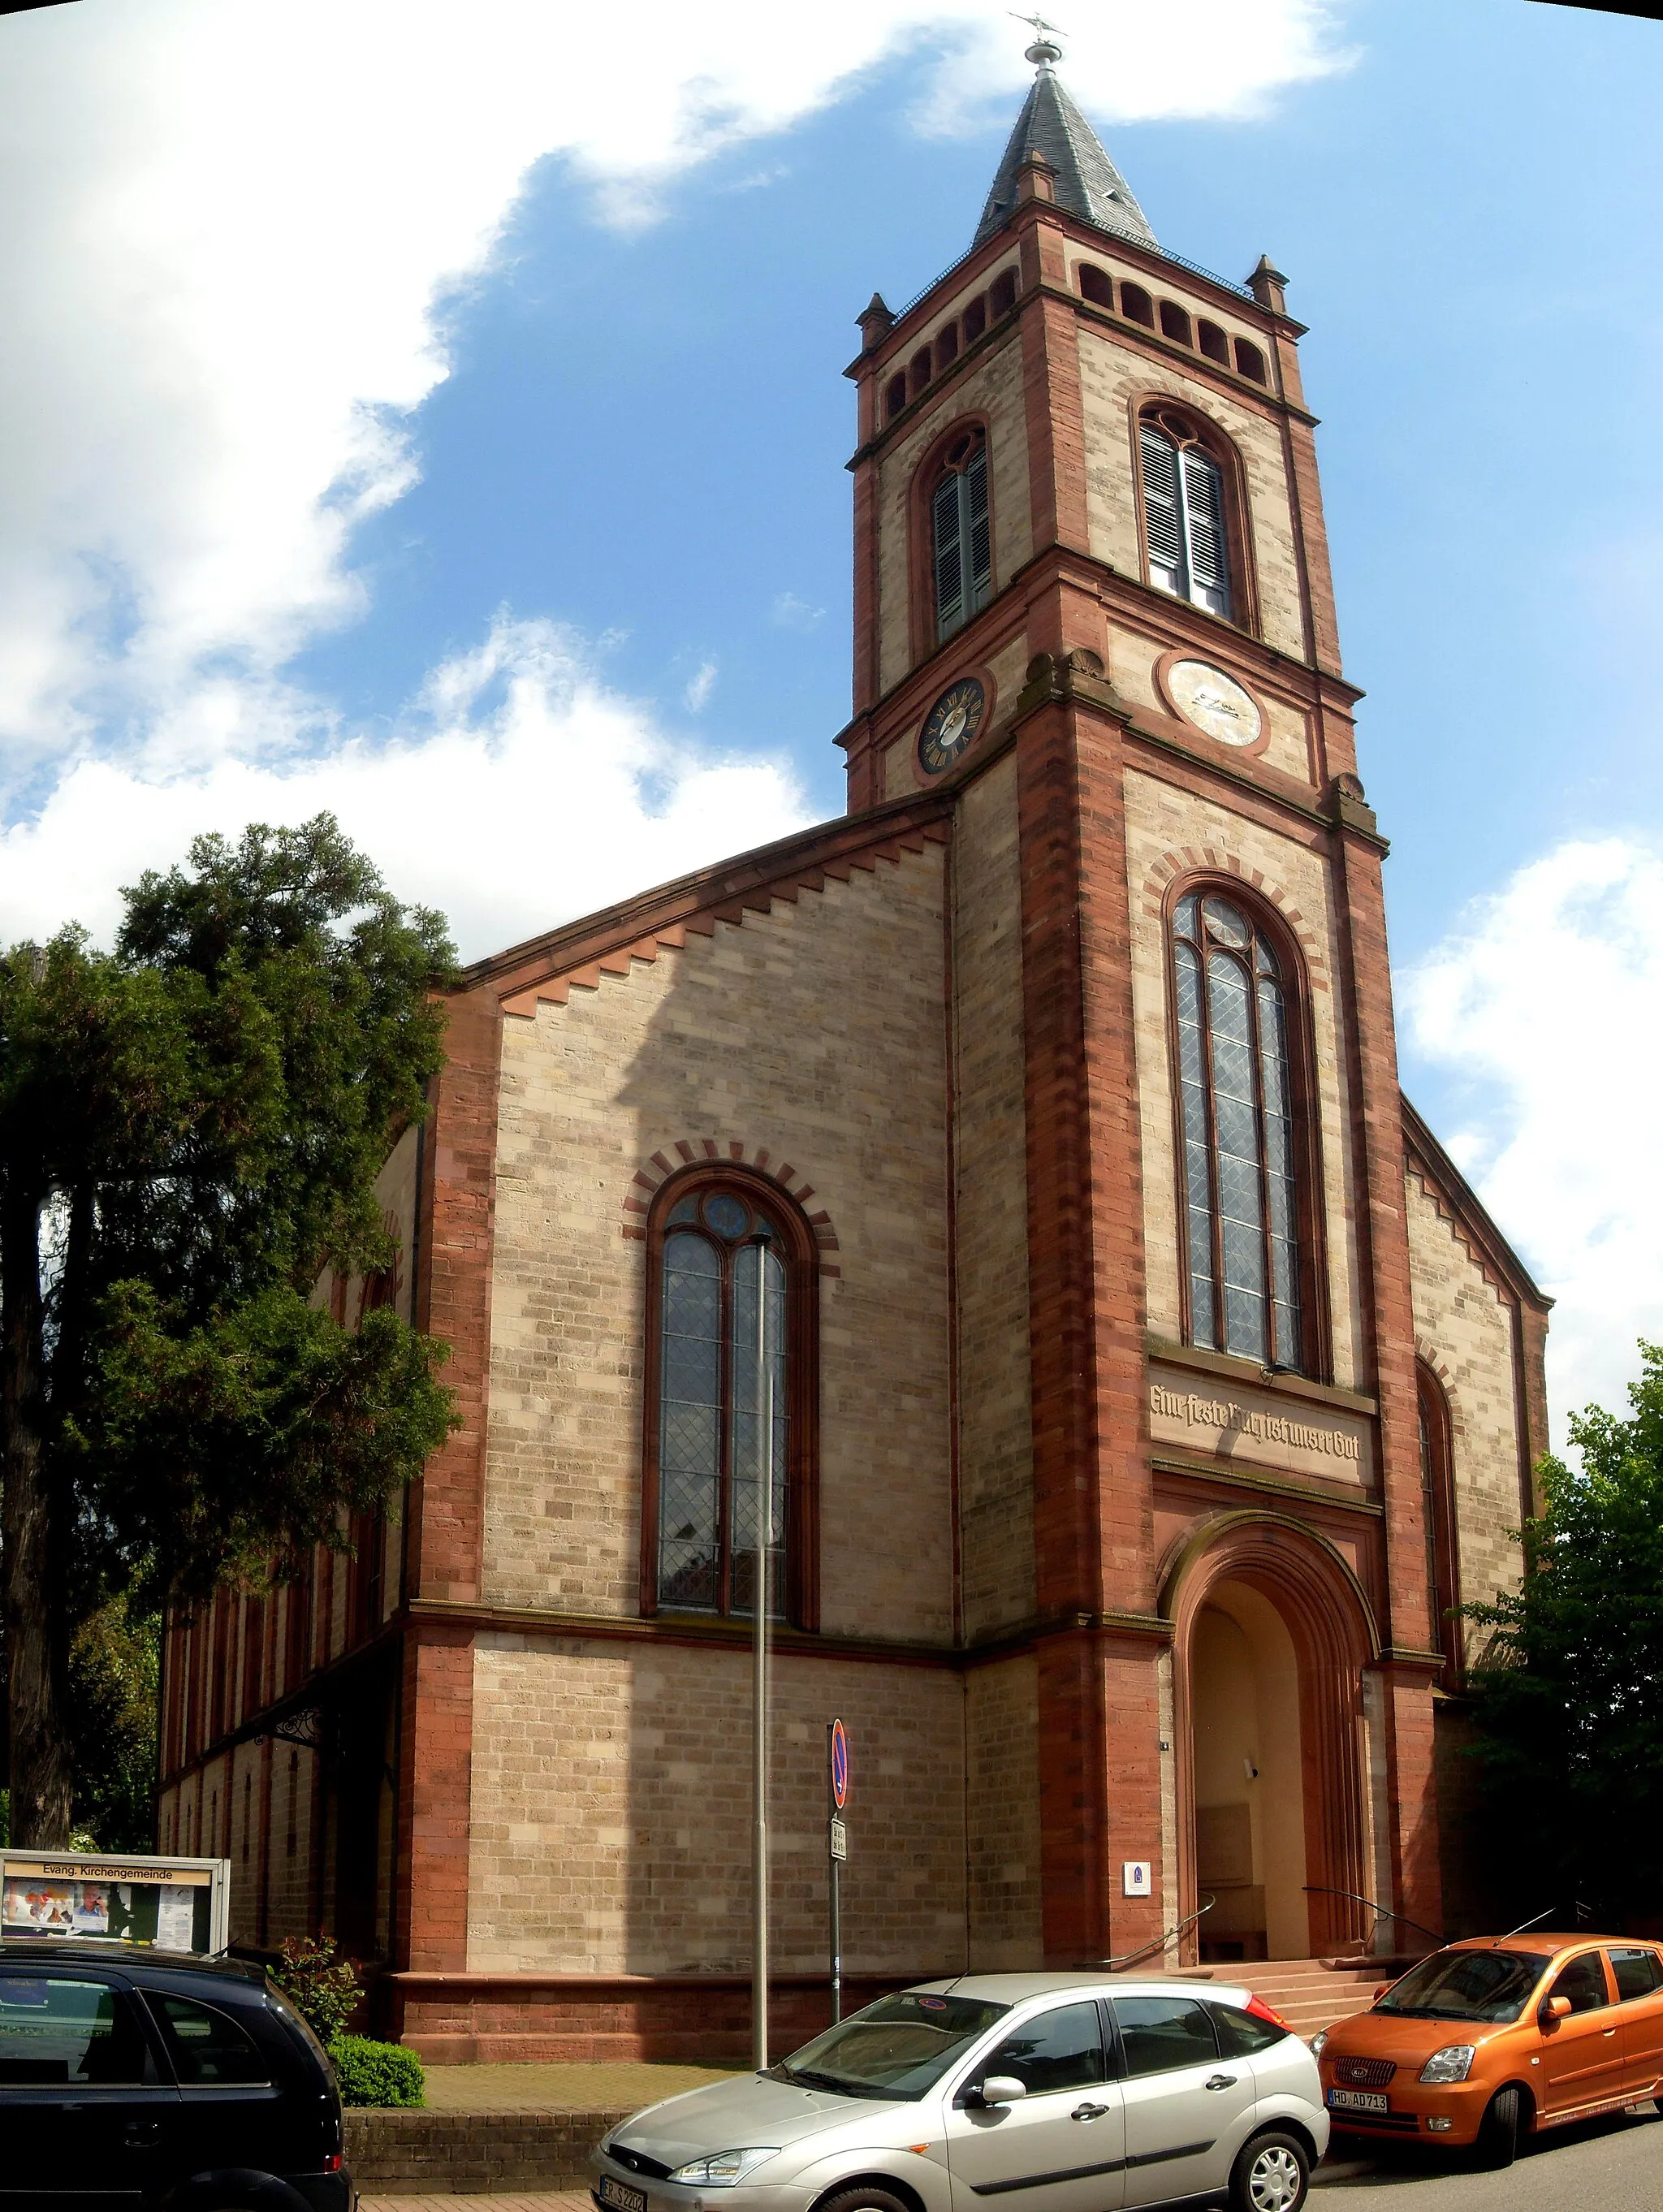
x: 115, y: 1667
x: 1570, y: 1688
x: 191, y: 1127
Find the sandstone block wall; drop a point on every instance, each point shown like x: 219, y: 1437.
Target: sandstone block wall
x: 1460, y: 1318
x: 1002, y: 1720
x: 610, y: 1819
x: 816, y: 1030
x: 996, y: 1448
x: 1113, y: 379
x: 994, y: 390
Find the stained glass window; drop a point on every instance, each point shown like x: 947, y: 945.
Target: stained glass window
x: 723, y: 1409
x: 1236, y: 1115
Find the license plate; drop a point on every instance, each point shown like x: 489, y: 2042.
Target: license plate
x: 620, y: 2193
x: 1358, y: 2100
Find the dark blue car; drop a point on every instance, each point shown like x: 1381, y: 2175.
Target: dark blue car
x: 147, y: 2078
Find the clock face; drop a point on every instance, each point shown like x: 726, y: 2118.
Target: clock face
x: 1215, y: 703
x: 951, y: 726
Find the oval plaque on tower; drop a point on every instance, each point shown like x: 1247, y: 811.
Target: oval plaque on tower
x: 1215, y: 703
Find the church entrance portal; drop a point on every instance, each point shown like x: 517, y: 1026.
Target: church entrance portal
x: 1248, y: 1779
x: 1272, y: 1637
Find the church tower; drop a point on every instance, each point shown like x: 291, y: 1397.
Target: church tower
x: 1092, y: 600
x: 1149, y: 1391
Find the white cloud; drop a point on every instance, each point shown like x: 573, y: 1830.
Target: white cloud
x: 233, y: 229
x: 790, y: 612
x: 1547, y: 1000
x: 696, y: 697
x: 484, y: 803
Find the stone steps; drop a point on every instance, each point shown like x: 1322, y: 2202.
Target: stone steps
x: 1305, y: 1993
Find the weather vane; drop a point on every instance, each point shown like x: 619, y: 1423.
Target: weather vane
x: 1045, y: 49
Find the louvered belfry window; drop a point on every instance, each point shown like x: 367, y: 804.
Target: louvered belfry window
x: 720, y: 1249
x: 961, y: 541
x: 1240, y: 1193
x: 1184, y: 524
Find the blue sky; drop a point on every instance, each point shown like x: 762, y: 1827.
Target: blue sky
x: 437, y: 414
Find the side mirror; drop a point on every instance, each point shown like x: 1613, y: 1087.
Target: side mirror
x: 1554, y: 2008
x: 1003, y: 2089
x: 1380, y: 1992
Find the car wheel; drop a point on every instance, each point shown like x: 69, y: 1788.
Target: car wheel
x: 1498, y: 2132
x: 862, y: 2199
x: 1271, y: 2173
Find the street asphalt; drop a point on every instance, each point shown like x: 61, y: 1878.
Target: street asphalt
x: 1608, y: 2165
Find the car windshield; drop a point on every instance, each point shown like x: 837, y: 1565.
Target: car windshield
x: 1483, y: 1985
x: 897, y: 2048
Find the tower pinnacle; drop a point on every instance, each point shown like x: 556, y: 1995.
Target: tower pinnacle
x: 1087, y: 183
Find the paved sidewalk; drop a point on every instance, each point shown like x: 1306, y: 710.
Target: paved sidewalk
x: 531, y: 2200
x: 509, y: 2089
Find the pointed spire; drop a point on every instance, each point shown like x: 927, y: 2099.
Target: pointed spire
x: 1052, y: 130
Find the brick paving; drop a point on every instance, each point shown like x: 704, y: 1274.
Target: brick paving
x: 570, y: 2088
x: 549, y: 2200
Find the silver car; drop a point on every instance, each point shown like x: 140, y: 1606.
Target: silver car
x: 1065, y: 2093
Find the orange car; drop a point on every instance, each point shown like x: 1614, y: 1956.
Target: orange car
x: 1494, y: 2036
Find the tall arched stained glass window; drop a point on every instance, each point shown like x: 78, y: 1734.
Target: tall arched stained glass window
x: 722, y: 1364
x: 1241, y: 1195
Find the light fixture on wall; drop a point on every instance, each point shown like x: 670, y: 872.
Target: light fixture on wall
x: 1249, y: 1767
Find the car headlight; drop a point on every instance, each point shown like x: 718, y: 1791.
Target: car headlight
x: 723, y: 2168
x: 1318, y: 2042
x: 1453, y: 2064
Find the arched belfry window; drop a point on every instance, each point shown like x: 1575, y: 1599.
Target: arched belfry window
x: 960, y: 538
x: 1185, y: 530
x: 1239, y: 1143
x: 730, y: 1402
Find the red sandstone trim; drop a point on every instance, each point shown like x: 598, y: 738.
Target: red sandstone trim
x: 456, y: 1205
x: 638, y: 929
x: 697, y: 1152
x: 1460, y: 1205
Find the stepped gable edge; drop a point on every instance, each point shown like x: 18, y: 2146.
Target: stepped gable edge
x: 1459, y: 1203
x: 579, y: 952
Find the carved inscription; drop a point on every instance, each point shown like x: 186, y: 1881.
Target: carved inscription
x: 1197, y: 1412
x: 1250, y: 1425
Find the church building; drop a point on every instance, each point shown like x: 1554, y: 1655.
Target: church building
x: 1148, y: 1388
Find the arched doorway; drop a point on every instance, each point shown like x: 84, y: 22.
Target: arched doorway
x: 1271, y: 1635
x: 1248, y: 1769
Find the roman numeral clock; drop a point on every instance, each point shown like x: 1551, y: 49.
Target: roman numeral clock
x: 951, y: 726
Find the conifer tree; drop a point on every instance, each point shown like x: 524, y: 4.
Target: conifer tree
x: 191, y: 1127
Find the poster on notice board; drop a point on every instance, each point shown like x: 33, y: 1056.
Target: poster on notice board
x: 166, y: 1905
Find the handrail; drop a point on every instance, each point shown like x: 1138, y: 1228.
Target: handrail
x: 1156, y: 1943
x: 1380, y: 1912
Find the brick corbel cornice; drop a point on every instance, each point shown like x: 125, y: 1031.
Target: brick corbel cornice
x: 607, y: 942
x: 1470, y: 1223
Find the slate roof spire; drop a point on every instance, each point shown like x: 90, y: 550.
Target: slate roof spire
x: 1087, y: 183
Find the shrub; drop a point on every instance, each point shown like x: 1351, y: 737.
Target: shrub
x: 377, y: 2072
x: 322, y: 1986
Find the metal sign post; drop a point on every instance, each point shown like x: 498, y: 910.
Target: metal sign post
x: 759, y: 1972
x: 837, y: 1849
